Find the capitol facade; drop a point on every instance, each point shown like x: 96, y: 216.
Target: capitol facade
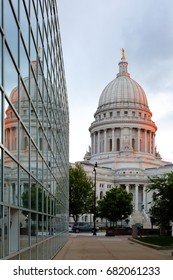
x: 123, y: 144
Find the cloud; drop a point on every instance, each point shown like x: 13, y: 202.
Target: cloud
x: 93, y: 33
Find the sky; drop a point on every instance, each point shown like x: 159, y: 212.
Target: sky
x: 93, y: 32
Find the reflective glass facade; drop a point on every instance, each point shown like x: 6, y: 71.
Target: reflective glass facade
x: 34, y: 131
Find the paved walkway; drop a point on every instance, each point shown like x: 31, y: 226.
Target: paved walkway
x: 100, y: 247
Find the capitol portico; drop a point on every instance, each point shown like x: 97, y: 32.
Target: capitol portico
x: 123, y: 143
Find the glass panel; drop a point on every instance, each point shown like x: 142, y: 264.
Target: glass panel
x: 40, y: 217
x: 40, y: 251
x: 15, y: 5
x: 24, y: 106
x: 45, y: 250
x: 6, y: 231
x: 24, y: 26
x: 24, y: 190
x: 1, y: 252
x: 34, y: 253
x: 25, y: 255
x: 34, y: 121
x: 10, y: 78
x: 33, y: 21
x: 1, y: 164
x: 14, y: 230
x: 34, y: 196
x: 24, y: 234
x: 11, y: 130
x: 0, y: 58
x: 40, y: 169
x: 34, y: 160
x: 11, y: 30
x: 11, y: 194
x: 24, y: 147
x: 14, y: 258
x: 24, y: 63
x: 0, y: 12
x: 33, y: 50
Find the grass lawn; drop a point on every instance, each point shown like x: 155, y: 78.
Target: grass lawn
x: 157, y: 240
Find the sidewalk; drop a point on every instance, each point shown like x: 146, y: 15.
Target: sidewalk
x: 100, y: 247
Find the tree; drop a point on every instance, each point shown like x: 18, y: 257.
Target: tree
x: 162, y: 205
x: 37, y: 200
x: 115, y: 205
x: 81, y: 192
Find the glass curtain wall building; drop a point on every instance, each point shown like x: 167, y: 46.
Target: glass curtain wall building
x: 34, y: 131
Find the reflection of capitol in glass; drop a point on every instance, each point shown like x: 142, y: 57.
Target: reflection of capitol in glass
x: 34, y: 142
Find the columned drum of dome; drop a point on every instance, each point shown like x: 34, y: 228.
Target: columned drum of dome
x: 34, y: 132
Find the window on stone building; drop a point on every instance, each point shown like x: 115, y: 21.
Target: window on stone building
x: 101, y: 195
x: 118, y: 144
x: 118, y: 113
x: 110, y: 145
x: 133, y: 144
x: 110, y: 114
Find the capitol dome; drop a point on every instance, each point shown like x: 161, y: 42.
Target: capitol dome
x: 123, y: 91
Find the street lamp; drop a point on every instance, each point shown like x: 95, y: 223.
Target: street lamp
x: 94, y: 208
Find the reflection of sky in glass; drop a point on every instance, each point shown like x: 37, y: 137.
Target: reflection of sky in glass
x: 11, y: 30
x: 10, y: 73
x: 0, y: 60
x: 0, y: 116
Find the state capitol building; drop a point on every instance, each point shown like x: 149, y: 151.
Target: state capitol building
x: 123, y: 144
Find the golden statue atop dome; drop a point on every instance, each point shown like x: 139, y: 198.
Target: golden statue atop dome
x: 122, y: 51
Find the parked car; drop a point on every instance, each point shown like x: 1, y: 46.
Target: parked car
x: 70, y: 228
x: 139, y: 225
x: 78, y: 227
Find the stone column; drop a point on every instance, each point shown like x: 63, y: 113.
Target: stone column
x: 150, y: 142
x: 113, y: 139
x: 136, y: 197
x: 153, y: 143
x: 144, y: 197
x: 130, y: 136
x: 138, y: 139
x: 98, y: 142
x: 94, y: 143
x: 145, y: 141
x: 127, y: 188
x: 105, y: 141
x: 121, y: 138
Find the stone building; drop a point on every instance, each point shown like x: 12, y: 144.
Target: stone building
x: 123, y: 143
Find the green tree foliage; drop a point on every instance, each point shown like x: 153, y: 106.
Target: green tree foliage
x: 115, y: 205
x: 38, y: 201
x: 162, y: 205
x: 81, y: 192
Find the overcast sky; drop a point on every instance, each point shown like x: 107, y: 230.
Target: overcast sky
x: 93, y: 32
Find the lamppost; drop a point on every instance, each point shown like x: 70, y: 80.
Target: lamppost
x: 94, y: 208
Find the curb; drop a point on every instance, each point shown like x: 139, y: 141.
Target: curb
x: 157, y: 247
